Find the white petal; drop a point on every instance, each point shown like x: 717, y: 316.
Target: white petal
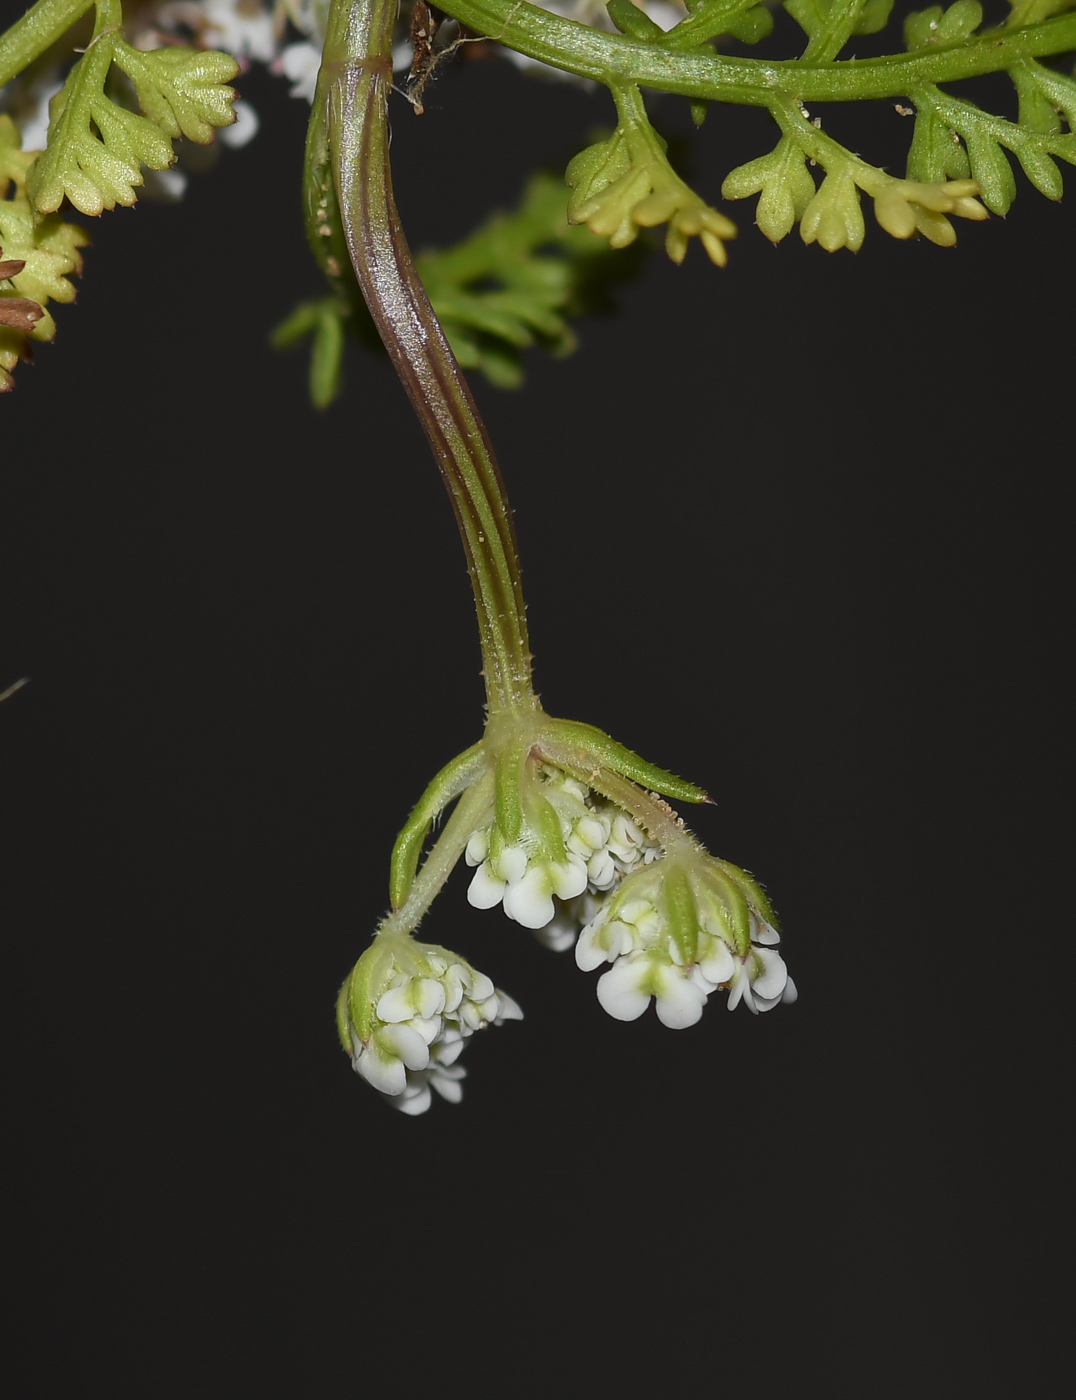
x: 589, y: 952
x: 620, y: 993
x: 679, y: 1002
x: 429, y: 997
x: 601, y: 871
x: 511, y: 863
x: 452, y: 981
x: 568, y: 880
x: 590, y: 831
x: 481, y: 987
x: 790, y: 993
x: 510, y: 1008
x: 770, y: 973
x: 448, y: 1050
x: 388, y: 1076
x: 395, y: 1004
x: 428, y: 1027
x: 408, y: 1044
x: 718, y: 965
x: 470, y: 1016
x: 415, y: 1099
x: 485, y: 890
x: 530, y: 901
x: 477, y: 847
x: 245, y: 126
x: 558, y: 934
x: 764, y: 932
x: 448, y: 1086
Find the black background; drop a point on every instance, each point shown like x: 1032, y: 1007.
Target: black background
x: 796, y: 529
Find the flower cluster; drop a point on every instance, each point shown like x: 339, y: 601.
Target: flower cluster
x: 678, y: 933
x: 405, y: 1014
x: 574, y: 843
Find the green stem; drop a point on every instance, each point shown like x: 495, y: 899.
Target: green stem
x: 350, y: 109
x: 39, y: 28
x: 592, y: 53
x: 442, y: 859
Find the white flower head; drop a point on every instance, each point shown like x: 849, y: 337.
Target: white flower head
x: 679, y: 930
x: 405, y: 1014
x: 570, y: 841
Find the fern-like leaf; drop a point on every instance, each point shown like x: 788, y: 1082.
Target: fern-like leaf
x: 38, y: 258
x: 96, y: 148
x: 986, y: 139
x: 184, y: 92
x: 783, y: 183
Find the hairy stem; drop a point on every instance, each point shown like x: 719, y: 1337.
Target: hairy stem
x: 350, y: 108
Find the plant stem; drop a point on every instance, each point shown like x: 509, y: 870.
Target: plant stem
x: 30, y: 36
x: 355, y: 78
x: 608, y: 58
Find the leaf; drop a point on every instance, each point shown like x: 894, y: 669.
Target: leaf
x: 626, y: 183
x: 936, y: 26
x: 987, y: 138
x: 96, y: 147
x: 834, y: 219
x: 183, y: 91
x: 813, y: 15
x: 516, y: 281
x: 784, y: 183
x: 38, y: 258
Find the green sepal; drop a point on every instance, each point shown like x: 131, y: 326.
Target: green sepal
x: 453, y: 778
x: 508, y: 800
x: 729, y: 891
x: 698, y: 111
x: 584, y: 748
x: 754, y: 892
x: 680, y: 911
x: 343, y: 1017
x: 544, y: 822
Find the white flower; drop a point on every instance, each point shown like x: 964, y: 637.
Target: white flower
x: 240, y: 27
x: 524, y: 882
x: 569, y: 916
x: 300, y: 63
x: 243, y: 129
x: 676, y: 933
x: 760, y: 981
x: 29, y: 107
x: 599, y: 844
x: 625, y: 990
x: 418, y: 1026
